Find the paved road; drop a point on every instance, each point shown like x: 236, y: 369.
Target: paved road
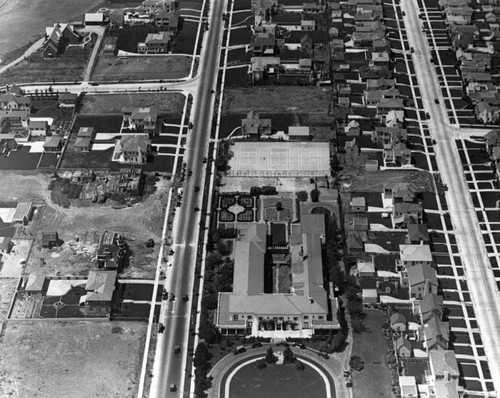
x: 170, y: 367
x: 480, y: 278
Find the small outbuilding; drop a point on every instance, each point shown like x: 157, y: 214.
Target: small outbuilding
x: 35, y: 284
x: 49, y: 239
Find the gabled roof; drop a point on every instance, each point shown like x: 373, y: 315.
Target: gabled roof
x: 437, y: 332
x: 418, y: 274
x: 442, y: 362
x: 35, y: 283
x: 133, y: 143
x: 418, y: 253
x: 82, y: 142
x: 417, y: 232
x: 85, y: 132
x: 101, y: 285
x: 431, y: 303
x: 398, y: 317
x: 37, y: 124
x: 358, y: 201
x: 53, y: 141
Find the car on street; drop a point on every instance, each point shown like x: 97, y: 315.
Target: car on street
x: 436, y: 101
x: 185, y: 298
x: 300, y: 345
x: 427, y: 115
x: 161, y: 327
x: 173, y: 387
x: 196, y: 209
x: 177, y: 349
x: 197, y: 188
x: 172, y: 297
x: 239, y: 350
x: 257, y: 344
x: 205, y: 159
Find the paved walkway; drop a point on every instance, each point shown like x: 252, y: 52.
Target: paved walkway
x: 334, y: 366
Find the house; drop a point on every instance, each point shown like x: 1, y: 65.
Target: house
x: 155, y: 43
x: 53, y: 143
x: 487, y: 114
x: 94, y: 18
x: 107, y: 251
x: 100, y: 288
x: 444, y: 371
x: 50, y: 239
x: 389, y: 104
x: 35, y: 284
x: 263, y: 44
x: 38, y: 128
x: 352, y: 129
x: 430, y: 305
x: 23, y: 213
x: 355, y: 243
x: 67, y: 100
x: 408, y: 387
x: 437, y: 333
x: 168, y: 20
x: 15, y: 119
x: 253, y: 125
x: 398, y: 322
x: 395, y: 119
x: 140, y: 119
x: 57, y: 38
x: 358, y: 204
x: 418, y: 234
x: 411, y: 255
x: 307, y: 44
x: 133, y: 149
x: 380, y: 59
x: 11, y: 101
x: 6, y: 244
x: 264, y: 67
x: 399, y: 191
x: 86, y: 132
x: 360, y: 224
x: 82, y: 144
x: 156, y: 6
x: 492, y: 139
x: 397, y: 154
x: 364, y: 269
x: 405, y: 213
x: 351, y: 149
x: 422, y: 280
x: 402, y: 347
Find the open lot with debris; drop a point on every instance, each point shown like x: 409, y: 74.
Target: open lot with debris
x: 113, y: 68
x: 74, y: 359
x: 276, y: 99
x: 78, y: 228
x: 169, y: 103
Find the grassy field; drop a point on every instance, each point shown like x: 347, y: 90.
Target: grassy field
x: 375, y: 379
x: 374, y: 181
x: 113, y: 103
x: 78, y: 359
x: 277, y: 381
x: 37, y: 69
x: 74, y: 257
x: 24, y: 21
x: 113, y: 68
x: 276, y: 99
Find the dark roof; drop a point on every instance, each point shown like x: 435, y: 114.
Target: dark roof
x: 418, y: 232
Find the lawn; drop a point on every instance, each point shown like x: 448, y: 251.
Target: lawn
x: 71, y: 359
x: 375, y: 379
x: 277, y: 381
x: 171, y: 103
x: 15, y: 16
x: 114, y: 68
x: 277, y: 99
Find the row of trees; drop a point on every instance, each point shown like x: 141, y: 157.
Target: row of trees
x: 202, y: 366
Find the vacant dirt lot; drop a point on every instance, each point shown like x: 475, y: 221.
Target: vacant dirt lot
x: 7, y: 289
x: 78, y: 227
x: 113, y: 103
x: 113, y: 68
x: 17, y: 15
x: 77, y: 359
x: 277, y: 99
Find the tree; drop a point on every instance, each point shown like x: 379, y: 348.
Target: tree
x: 315, y: 195
x: 270, y: 357
x: 338, y: 342
x: 302, y: 196
x: 356, y: 363
x: 261, y: 363
x: 300, y: 366
x: 288, y: 356
x: 279, y: 206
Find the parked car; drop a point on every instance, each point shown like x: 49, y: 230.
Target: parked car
x: 173, y: 387
x: 436, y: 101
x: 238, y: 350
x: 185, y: 298
x: 177, y: 349
x: 161, y: 327
x: 427, y: 115
x: 197, y: 188
x: 257, y: 344
x: 205, y: 159
x: 300, y: 345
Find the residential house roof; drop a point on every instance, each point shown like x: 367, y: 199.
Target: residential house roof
x: 37, y: 124
x: 100, y: 285
x: 418, y: 274
x: 35, y: 283
x: 408, y: 386
x: 85, y: 132
x: 431, y: 304
x: 94, y: 17
x: 18, y: 99
x: 22, y: 211
x: 443, y: 362
x: 358, y: 201
x: 403, y: 191
x: 82, y: 142
x: 53, y: 141
x: 134, y: 143
x: 403, y: 342
x: 437, y: 332
x: 418, y: 232
x: 398, y: 317
x: 391, y: 103
x: 415, y: 253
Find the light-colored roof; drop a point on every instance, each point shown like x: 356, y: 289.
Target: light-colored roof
x: 85, y: 132
x: 158, y: 38
x: 431, y: 303
x: 419, y: 253
x: 94, y: 17
x: 100, y: 285
x: 52, y: 141
x: 82, y: 142
x: 408, y: 385
x: 38, y: 124
x: 358, y: 201
x: 418, y: 274
x: 443, y: 361
x: 302, y: 131
x: 35, y: 283
x: 249, y: 254
x: 398, y: 317
x: 22, y: 211
x: 134, y: 142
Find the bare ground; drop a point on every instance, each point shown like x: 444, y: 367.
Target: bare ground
x: 71, y: 359
x: 78, y: 227
x: 277, y: 99
x: 374, y: 181
x: 7, y: 289
x: 113, y: 68
x: 171, y: 103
